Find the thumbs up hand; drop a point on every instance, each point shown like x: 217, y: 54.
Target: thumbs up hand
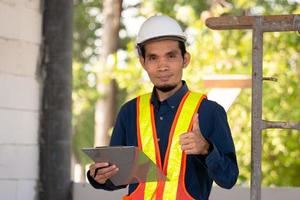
x: 193, y: 142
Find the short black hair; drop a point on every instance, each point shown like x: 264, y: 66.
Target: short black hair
x: 142, y: 51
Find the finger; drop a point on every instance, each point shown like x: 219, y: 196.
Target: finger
x: 185, y: 136
x: 103, y: 178
x: 101, y: 164
x: 196, y: 127
x: 189, y: 136
x: 190, y: 152
x: 105, y: 170
x: 106, y: 174
x: 183, y: 141
x: 185, y: 147
x: 190, y: 148
x: 95, y: 166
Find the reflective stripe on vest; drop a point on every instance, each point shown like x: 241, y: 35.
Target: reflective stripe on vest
x: 175, y: 160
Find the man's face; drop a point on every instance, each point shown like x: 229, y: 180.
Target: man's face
x: 164, y: 64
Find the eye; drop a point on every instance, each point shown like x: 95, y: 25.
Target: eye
x: 172, y: 55
x: 152, y: 57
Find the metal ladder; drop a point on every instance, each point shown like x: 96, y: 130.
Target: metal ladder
x: 259, y: 25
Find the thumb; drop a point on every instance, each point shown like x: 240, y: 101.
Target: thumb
x: 196, y: 127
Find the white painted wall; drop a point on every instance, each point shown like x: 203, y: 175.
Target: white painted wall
x: 20, y: 40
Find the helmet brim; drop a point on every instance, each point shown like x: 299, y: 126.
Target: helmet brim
x: 165, y: 37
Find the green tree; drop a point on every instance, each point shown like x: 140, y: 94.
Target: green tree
x: 86, y: 45
x: 229, y: 52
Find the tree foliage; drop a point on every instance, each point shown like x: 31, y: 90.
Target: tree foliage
x: 215, y: 52
x: 86, y: 44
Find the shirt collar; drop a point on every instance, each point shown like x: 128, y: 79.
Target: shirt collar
x: 173, y: 100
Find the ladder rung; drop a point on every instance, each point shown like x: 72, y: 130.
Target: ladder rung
x: 285, y: 125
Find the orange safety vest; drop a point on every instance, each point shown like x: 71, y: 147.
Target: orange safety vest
x: 175, y: 160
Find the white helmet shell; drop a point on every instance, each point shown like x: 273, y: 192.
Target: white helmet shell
x: 160, y: 26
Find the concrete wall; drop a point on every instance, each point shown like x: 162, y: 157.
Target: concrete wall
x: 85, y: 191
x: 20, y: 40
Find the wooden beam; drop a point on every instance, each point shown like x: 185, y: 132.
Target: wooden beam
x: 227, y: 81
x: 273, y: 23
x: 285, y: 125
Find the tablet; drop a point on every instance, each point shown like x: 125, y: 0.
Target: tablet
x: 134, y: 165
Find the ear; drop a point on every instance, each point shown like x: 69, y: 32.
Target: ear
x: 142, y: 61
x: 186, y: 59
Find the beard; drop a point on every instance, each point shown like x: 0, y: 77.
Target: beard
x: 165, y: 88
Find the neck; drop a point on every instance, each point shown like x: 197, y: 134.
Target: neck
x: 164, y: 95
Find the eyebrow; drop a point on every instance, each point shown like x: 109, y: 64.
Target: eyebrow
x: 172, y: 52
x: 168, y: 53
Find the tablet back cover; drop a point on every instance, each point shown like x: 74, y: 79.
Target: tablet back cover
x: 134, y: 165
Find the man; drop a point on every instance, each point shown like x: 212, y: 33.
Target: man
x: 190, y: 139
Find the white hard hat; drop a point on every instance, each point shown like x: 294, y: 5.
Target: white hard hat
x: 160, y: 26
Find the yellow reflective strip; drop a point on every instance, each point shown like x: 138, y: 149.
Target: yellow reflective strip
x: 146, y: 133
x: 174, y: 163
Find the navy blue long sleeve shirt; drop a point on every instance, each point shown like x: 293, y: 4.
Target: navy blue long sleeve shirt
x: 219, y: 165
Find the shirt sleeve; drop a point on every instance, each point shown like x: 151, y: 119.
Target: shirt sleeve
x: 109, y: 186
x: 221, y: 163
x: 118, y: 138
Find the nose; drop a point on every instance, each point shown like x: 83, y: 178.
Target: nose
x: 162, y: 65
